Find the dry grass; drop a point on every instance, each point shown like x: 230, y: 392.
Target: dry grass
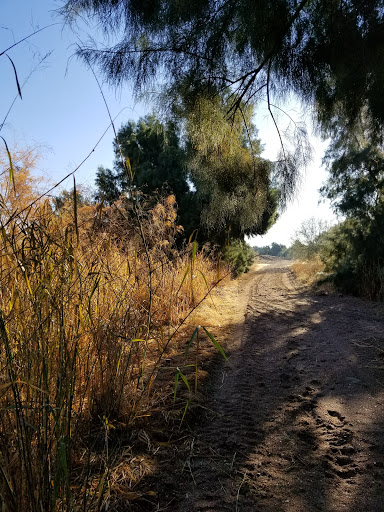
x: 90, y: 301
x: 308, y: 271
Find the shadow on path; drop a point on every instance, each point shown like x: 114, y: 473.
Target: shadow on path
x: 295, y: 422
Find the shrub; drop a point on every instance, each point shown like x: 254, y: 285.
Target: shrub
x: 239, y: 255
x: 354, y: 254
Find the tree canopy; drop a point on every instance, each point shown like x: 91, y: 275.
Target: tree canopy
x: 355, y: 248
x: 328, y: 52
x: 222, y: 187
x: 356, y: 175
x: 232, y: 180
x: 156, y: 158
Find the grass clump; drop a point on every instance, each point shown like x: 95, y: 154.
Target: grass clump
x: 90, y: 301
x: 308, y: 271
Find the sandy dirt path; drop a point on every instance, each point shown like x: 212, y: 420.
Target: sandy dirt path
x: 296, y: 421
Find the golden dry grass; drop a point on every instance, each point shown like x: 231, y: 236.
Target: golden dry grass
x: 90, y: 301
x: 308, y: 271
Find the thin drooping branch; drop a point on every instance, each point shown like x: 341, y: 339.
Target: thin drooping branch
x: 27, y: 37
x: 271, y: 113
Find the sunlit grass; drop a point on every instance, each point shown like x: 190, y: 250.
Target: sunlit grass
x: 308, y: 271
x: 90, y: 301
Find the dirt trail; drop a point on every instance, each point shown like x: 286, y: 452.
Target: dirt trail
x: 296, y: 423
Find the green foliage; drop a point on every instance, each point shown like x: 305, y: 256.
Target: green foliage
x: 239, y: 255
x: 158, y: 161
x: 274, y: 249
x: 329, y: 53
x: 356, y: 183
x: 156, y: 158
x: 65, y: 198
x: 309, y: 239
x: 355, y: 248
x: 222, y: 189
x: 108, y: 187
x: 232, y: 180
x: 354, y: 255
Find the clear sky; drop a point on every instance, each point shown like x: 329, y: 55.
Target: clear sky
x: 62, y: 112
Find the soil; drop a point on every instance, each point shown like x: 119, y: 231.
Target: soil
x: 294, y: 421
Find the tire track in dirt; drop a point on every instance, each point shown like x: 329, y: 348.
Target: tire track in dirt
x: 296, y: 420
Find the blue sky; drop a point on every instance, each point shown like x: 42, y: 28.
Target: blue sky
x: 62, y: 112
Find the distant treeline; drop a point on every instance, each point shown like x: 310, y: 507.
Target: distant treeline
x: 279, y: 250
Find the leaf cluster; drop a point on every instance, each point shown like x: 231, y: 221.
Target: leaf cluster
x: 328, y: 52
x: 222, y: 186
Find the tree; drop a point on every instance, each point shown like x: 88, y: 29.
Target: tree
x: 158, y: 162
x: 309, y: 239
x: 156, y: 157
x: 233, y: 182
x: 272, y: 250
x: 355, y: 248
x: 327, y: 52
x: 356, y: 183
x: 221, y: 188
x: 109, y: 188
x: 83, y: 198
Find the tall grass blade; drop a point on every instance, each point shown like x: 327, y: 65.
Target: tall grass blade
x: 182, y: 281
x: 180, y: 375
x: 185, y: 380
x: 75, y: 209
x: 176, y: 385
x: 129, y: 168
x: 6, y: 493
x: 209, y: 291
x: 185, y: 411
x: 11, y: 170
x: 216, y: 343
x: 191, y: 339
x: 17, y: 80
x: 192, y: 236
x: 94, y: 288
x: 194, y: 250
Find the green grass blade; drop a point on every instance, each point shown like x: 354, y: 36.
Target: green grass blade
x: 129, y: 168
x: 185, y: 412
x: 184, y: 379
x: 216, y: 343
x: 17, y: 79
x: 182, y: 281
x: 176, y: 384
x: 191, y: 339
x: 205, y: 280
x: 11, y: 170
x: 193, y: 235
x: 63, y: 458
x: 194, y: 250
x: 209, y: 291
